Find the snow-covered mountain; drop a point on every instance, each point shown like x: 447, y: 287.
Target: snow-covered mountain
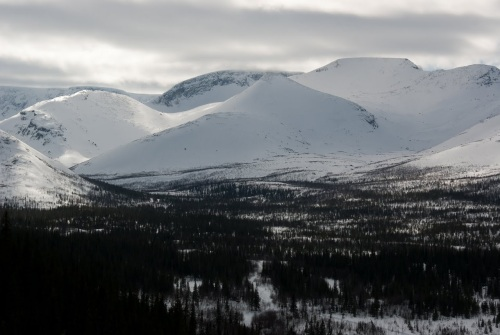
x: 349, y: 117
x: 72, y: 129
x: 273, y: 126
x: 208, y: 88
x: 298, y: 127
x: 15, y: 99
x: 28, y: 178
x: 422, y: 108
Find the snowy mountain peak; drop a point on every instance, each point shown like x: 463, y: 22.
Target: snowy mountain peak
x: 490, y: 77
x: 15, y: 99
x: 279, y: 91
x: 208, y: 88
x: 376, y: 64
x: 350, y: 77
x: 482, y: 75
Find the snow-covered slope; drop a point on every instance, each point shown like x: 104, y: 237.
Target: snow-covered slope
x: 72, y: 129
x: 421, y: 108
x: 15, y: 99
x: 271, y: 126
x: 28, y: 178
x: 475, y: 152
x: 208, y: 88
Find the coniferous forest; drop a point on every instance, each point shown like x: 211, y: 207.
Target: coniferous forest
x: 258, y: 258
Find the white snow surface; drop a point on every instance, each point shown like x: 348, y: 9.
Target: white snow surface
x: 421, y: 108
x: 74, y: 128
x: 475, y: 152
x: 28, y: 178
x: 273, y: 122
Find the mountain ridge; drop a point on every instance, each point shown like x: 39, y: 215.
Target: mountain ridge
x: 14, y: 99
x: 426, y: 107
x: 208, y: 88
x: 28, y: 178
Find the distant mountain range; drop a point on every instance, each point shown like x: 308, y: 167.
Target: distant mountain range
x: 344, y: 119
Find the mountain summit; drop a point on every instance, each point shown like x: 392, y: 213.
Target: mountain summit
x: 208, y: 88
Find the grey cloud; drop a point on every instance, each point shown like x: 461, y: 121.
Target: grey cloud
x: 201, y: 38
x: 22, y: 73
x: 10, y: 67
x: 160, y: 26
x: 19, y: 72
x: 143, y: 86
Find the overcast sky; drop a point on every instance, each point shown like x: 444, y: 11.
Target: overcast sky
x: 149, y: 45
